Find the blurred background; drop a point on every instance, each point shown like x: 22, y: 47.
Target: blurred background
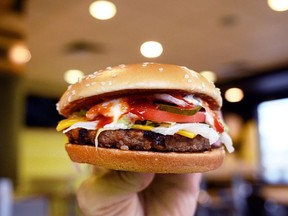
x: 241, y: 45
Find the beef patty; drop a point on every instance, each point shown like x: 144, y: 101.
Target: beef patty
x: 139, y: 140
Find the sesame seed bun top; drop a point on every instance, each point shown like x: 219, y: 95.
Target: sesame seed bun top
x: 128, y: 79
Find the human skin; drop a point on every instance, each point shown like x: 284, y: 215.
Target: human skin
x: 109, y: 192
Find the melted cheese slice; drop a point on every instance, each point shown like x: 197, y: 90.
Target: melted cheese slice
x: 150, y: 128
x: 66, y: 123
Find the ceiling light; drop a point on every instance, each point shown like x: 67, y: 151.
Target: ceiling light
x: 102, y: 10
x: 209, y: 75
x: 19, y: 54
x: 234, y: 95
x: 73, y: 76
x: 151, y: 49
x: 278, y: 5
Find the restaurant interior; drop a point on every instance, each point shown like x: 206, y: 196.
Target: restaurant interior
x: 241, y: 46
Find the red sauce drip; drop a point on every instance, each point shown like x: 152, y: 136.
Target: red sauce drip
x: 140, y: 106
x: 99, y: 109
x: 103, y: 121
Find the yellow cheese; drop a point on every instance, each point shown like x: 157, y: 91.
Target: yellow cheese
x: 65, y: 123
x: 142, y: 127
x: 150, y: 128
x: 186, y: 134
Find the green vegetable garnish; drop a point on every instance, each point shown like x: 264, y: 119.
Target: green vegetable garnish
x: 179, y: 110
x: 82, y: 112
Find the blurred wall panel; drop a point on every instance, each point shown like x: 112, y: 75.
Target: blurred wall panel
x: 11, y: 115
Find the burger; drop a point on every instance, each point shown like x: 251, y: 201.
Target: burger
x: 148, y: 117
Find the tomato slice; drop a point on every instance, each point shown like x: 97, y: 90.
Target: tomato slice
x: 144, y: 109
x: 218, y: 125
x: 150, y: 112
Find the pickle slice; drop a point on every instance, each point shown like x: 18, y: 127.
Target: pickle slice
x: 178, y: 110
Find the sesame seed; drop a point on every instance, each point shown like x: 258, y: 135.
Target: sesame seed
x: 97, y: 72
x: 145, y: 64
x: 91, y: 76
x: 193, y: 73
x: 124, y: 147
x: 185, y: 68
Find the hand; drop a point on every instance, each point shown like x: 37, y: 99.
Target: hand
x: 127, y: 193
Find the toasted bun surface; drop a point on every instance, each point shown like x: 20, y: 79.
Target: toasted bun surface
x: 144, y: 161
x: 128, y: 79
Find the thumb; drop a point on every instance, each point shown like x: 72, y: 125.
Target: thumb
x: 108, y: 191
x: 122, y: 182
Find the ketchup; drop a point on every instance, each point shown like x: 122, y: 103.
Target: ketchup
x: 104, y: 121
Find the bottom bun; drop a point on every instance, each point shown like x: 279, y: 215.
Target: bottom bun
x: 147, y: 161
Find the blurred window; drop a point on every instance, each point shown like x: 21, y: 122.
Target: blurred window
x: 41, y: 112
x: 273, y: 139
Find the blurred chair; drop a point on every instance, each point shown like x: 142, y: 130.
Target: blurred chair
x: 30, y: 206
x: 229, y: 199
x: 215, y: 201
x: 241, y: 190
x: 26, y: 206
x: 6, y: 197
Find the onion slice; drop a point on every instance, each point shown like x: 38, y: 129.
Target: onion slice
x: 169, y: 98
x: 227, y: 141
x: 92, y: 125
